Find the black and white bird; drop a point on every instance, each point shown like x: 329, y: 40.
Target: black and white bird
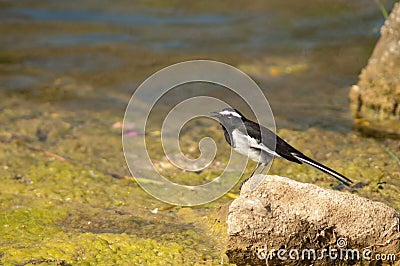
x: 261, y: 144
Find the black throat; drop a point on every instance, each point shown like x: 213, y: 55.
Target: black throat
x: 227, y: 135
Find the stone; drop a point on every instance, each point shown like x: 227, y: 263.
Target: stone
x: 275, y: 214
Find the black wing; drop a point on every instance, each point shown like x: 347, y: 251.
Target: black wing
x: 269, y: 138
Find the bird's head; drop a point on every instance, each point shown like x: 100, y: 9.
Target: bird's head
x: 228, y: 116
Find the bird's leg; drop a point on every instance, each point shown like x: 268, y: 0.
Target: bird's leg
x: 262, y: 169
x: 252, y: 173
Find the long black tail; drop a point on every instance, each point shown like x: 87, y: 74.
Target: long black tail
x: 323, y: 168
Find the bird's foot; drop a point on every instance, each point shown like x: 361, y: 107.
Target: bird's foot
x: 244, y: 181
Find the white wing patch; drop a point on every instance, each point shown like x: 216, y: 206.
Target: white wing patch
x: 264, y: 148
x: 244, y: 143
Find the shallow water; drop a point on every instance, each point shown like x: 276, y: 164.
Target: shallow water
x: 68, y: 69
x: 43, y: 40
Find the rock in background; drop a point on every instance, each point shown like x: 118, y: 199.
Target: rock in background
x: 376, y: 97
x: 275, y: 213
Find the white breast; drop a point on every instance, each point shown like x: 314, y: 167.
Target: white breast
x: 243, y: 145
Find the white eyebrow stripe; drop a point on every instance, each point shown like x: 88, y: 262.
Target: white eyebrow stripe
x: 230, y: 113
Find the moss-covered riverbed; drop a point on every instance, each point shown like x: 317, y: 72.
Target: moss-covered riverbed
x: 66, y: 196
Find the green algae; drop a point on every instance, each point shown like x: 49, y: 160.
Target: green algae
x: 68, y: 215
x: 98, y: 249
x: 57, y: 204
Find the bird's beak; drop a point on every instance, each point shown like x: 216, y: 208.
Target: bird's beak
x: 214, y: 114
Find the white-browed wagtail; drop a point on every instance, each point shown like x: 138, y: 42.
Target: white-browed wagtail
x: 261, y: 144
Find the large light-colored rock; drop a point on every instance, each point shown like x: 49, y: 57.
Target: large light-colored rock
x: 275, y: 213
